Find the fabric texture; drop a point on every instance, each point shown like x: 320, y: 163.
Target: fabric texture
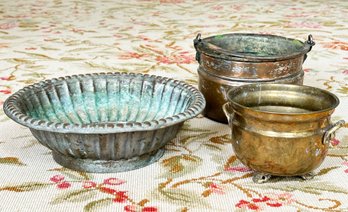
x: 199, y: 171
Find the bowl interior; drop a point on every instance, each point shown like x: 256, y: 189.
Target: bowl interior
x: 105, y: 98
x: 279, y: 99
x: 256, y: 45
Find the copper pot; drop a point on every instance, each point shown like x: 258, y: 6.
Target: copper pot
x: 230, y: 60
x: 281, y: 130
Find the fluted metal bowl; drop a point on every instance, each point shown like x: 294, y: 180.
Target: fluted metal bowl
x: 107, y: 122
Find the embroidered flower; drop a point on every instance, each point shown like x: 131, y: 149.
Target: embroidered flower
x: 9, y: 78
x: 64, y: 185
x: 89, y: 184
x: 238, y: 169
x: 335, y: 142
x: 149, y: 209
x: 120, y: 196
x: 337, y: 45
x: 113, y: 181
x: 270, y: 199
x: 248, y: 205
x: 9, y: 25
x: 182, y: 58
x: 5, y: 91
x: 130, y: 208
x: 57, y: 178
x: 131, y: 55
x: 215, y: 188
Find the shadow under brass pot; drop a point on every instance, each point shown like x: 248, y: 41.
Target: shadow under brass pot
x: 281, y: 130
x: 230, y: 60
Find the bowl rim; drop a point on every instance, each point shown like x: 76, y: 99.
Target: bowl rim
x: 12, y: 110
x: 205, y: 47
x: 276, y: 87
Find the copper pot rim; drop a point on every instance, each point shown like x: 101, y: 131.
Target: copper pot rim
x: 220, y: 53
x: 240, y: 107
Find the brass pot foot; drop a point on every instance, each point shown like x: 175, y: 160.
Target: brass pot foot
x: 260, y: 177
x: 308, y: 176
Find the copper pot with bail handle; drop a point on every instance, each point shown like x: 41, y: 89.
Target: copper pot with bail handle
x: 281, y: 130
x: 230, y: 60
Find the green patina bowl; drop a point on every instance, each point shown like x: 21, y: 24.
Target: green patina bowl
x: 108, y: 122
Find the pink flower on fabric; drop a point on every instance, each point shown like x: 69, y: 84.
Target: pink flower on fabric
x: 283, y: 198
x: 64, y: 185
x: 335, y: 142
x: 9, y: 25
x: 113, y: 181
x: 345, y: 163
x: 120, y: 196
x: 345, y: 72
x: 131, y: 55
x: 238, y: 169
x: 215, y: 188
x: 130, y: 208
x: 217, y: 7
x: 57, y: 178
x: 248, y: 205
x: 149, y: 209
x: 5, y: 91
x: 9, y: 78
x: 346, y: 171
x: 182, y: 58
x: 89, y: 184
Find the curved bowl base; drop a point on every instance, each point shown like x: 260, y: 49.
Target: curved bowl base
x: 107, y: 166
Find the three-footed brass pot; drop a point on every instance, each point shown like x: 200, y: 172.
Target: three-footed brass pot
x: 281, y: 130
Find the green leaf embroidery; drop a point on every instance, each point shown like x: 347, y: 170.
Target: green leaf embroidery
x: 79, y: 195
x: 180, y: 164
x: 36, y: 55
x: 29, y: 186
x: 11, y: 161
x: 181, y: 197
x: 97, y: 204
x: 71, y: 59
x: 326, y: 170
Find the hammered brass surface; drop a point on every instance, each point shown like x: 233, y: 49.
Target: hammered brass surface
x: 215, y: 91
x: 229, y: 60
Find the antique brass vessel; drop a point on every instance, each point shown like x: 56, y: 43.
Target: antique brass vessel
x: 230, y: 60
x: 281, y: 130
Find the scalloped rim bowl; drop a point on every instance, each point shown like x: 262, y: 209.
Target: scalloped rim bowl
x: 104, y: 128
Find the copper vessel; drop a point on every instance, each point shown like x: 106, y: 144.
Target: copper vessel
x: 281, y: 130
x: 230, y: 60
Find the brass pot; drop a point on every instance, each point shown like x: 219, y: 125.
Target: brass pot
x: 230, y: 60
x: 279, y: 129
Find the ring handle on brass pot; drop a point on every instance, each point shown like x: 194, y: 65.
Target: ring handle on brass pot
x: 329, y: 134
x: 227, y: 113
x: 311, y: 43
x: 196, y: 41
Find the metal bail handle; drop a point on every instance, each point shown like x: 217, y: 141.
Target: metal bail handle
x: 311, y: 43
x: 196, y: 41
x: 227, y: 113
x: 330, y: 133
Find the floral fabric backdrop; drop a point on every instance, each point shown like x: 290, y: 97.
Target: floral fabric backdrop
x: 199, y: 171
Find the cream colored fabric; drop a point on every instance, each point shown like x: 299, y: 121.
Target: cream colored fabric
x: 46, y: 39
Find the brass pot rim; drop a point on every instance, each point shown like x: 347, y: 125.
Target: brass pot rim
x: 205, y: 46
x: 276, y: 86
